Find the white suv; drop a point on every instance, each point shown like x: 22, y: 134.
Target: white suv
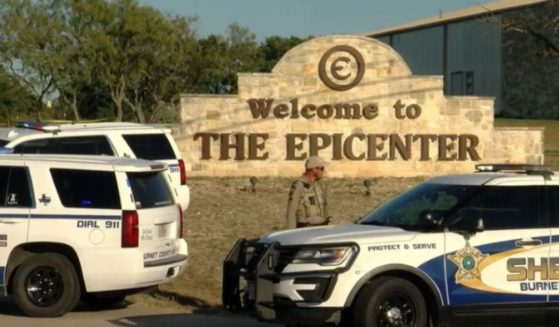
x: 112, y: 139
x: 89, y: 227
x: 453, y: 251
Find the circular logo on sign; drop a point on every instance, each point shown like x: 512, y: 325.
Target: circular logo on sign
x: 341, y: 68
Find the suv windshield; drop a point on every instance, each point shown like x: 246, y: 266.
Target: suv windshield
x: 405, y: 210
x: 150, y: 190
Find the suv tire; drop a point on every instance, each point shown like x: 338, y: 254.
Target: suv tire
x: 46, y: 285
x: 390, y: 301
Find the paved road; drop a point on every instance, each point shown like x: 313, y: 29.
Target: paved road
x: 130, y: 316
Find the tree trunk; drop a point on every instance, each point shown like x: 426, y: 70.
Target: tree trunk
x: 136, y: 108
x: 75, y: 108
x: 117, y: 94
x: 156, y: 113
x: 73, y: 105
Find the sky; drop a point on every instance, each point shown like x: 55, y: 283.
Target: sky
x: 303, y: 18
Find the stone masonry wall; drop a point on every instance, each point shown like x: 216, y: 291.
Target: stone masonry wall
x: 436, y: 133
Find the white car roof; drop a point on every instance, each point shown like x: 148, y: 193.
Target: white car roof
x: 86, y: 162
x: 13, y: 133
x: 492, y: 178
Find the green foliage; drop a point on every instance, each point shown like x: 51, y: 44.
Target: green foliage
x: 274, y: 47
x: 121, y: 60
x: 15, y: 102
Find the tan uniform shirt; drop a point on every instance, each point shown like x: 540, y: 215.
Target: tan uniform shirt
x: 307, y: 204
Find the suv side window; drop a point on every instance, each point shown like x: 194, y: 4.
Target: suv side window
x: 15, y: 189
x: 89, y: 145
x: 150, y: 146
x: 553, y: 192
x: 34, y: 146
x: 503, y: 207
x: 86, y: 189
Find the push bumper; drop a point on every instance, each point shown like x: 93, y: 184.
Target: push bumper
x: 251, y: 279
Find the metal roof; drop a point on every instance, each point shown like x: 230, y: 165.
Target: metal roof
x: 478, y: 10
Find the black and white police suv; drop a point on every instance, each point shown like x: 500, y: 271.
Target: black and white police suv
x: 452, y: 251
x: 89, y: 227
x: 111, y: 139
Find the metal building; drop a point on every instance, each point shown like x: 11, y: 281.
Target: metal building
x: 477, y: 56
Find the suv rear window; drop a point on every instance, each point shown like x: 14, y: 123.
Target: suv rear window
x: 15, y: 189
x: 150, y: 190
x: 150, y: 146
x: 86, y: 188
x: 90, y: 145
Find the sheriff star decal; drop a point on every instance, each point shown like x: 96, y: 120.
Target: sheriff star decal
x: 467, y: 260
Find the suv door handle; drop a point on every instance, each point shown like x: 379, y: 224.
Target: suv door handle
x: 530, y: 242
x: 11, y: 221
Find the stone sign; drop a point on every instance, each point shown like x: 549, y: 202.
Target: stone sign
x: 353, y: 101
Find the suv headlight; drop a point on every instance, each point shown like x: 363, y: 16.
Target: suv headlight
x: 326, y: 256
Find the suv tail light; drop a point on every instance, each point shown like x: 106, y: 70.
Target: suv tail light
x: 130, y: 229
x: 183, y: 172
x: 180, y: 224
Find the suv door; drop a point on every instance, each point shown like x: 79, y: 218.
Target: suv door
x: 502, y: 265
x: 76, y: 207
x: 15, y: 201
x: 553, y: 196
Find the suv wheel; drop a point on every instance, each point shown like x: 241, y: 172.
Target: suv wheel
x: 46, y: 285
x: 390, y: 302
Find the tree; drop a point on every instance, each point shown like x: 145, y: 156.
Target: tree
x: 15, y: 101
x: 530, y: 49
x: 28, y: 38
x: 220, y: 58
x: 163, y: 70
x: 75, y: 65
x: 274, y: 47
x: 211, y: 65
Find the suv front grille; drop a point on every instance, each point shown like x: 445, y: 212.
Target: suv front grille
x: 286, y: 256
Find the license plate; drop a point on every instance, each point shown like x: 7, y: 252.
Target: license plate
x: 162, y: 231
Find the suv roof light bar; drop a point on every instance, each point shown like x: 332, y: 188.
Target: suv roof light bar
x: 521, y: 168
x: 511, y: 167
x: 38, y: 126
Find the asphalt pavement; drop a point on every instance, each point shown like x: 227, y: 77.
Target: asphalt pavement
x: 125, y: 316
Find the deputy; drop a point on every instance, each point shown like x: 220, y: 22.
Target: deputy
x: 307, y: 205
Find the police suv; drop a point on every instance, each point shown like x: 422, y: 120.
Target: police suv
x: 111, y: 139
x: 89, y: 227
x: 452, y: 251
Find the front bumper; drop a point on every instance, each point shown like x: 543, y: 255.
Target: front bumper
x: 253, y: 282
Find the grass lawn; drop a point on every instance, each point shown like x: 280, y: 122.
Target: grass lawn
x: 222, y: 211
x: 551, y: 136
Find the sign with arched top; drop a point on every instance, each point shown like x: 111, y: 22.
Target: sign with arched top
x: 354, y: 101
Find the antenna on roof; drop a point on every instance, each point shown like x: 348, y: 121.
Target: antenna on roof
x: 440, y: 14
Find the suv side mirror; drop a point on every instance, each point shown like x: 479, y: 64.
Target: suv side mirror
x: 479, y: 225
x: 469, y: 226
